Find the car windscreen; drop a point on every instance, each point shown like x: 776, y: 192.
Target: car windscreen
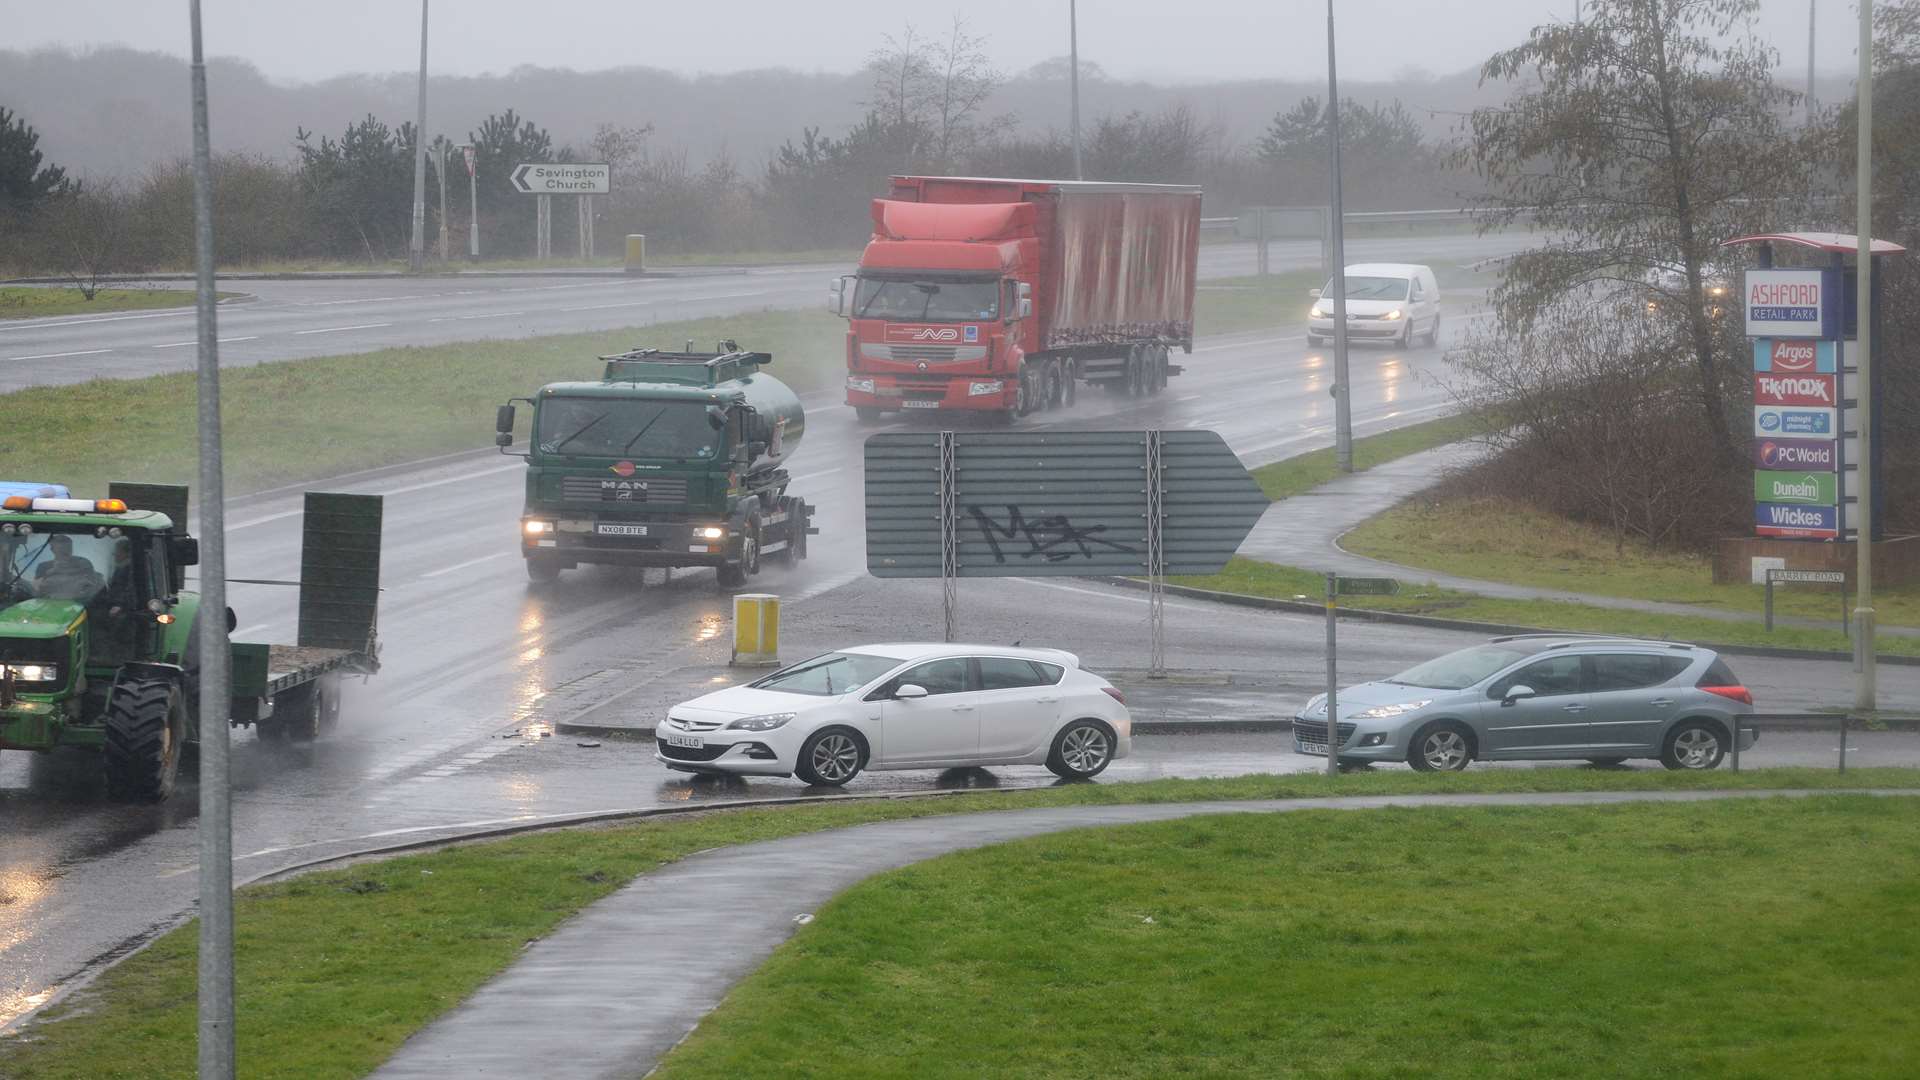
x: 1459, y: 670
x: 613, y: 427
x: 829, y: 674
x: 927, y: 299
x: 1370, y: 288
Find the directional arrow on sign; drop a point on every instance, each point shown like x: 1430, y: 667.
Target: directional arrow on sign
x: 520, y: 179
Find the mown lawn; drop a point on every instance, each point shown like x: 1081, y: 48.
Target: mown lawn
x: 335, y: 969
x: 32, y: 302
x: 1752, y: 939
x: 1304, y: 472
x: 1251, y: 577
x: 1474, y: 537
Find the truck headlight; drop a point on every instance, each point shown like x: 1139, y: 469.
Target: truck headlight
x: 535, y: 528
x: 864, y: 386
x: 33, y: 672
x: 1383, y: 712
x: 766, y: 722
x: 991, y: 386
x: 711, y: 532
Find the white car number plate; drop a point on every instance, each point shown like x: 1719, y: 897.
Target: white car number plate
x: 1304, y: 747
x: 620, y: 530
x: 691, y: 742
x: 911, y: 404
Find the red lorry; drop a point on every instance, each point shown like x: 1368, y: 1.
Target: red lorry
x: 1001, y: 296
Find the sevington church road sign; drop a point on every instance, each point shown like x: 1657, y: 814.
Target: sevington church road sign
x: 552, y: 178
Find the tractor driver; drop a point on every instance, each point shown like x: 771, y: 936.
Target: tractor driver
x: 66, y: 576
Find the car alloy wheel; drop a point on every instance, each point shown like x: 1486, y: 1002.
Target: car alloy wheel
x: 1082, y: 751
x: 834, y: 758
x: 1442, y: 750
x: 1694, y: 747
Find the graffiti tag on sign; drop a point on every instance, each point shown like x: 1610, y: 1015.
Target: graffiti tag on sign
x: 1054, y: 538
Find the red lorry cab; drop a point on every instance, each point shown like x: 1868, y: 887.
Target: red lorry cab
x: 1004, y: 295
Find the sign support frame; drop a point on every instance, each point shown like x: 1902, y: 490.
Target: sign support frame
x: 1156, y: 559
x: 949, y: 531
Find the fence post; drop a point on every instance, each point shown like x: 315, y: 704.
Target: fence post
x: 1844, y: 717
x: 1769, y: 603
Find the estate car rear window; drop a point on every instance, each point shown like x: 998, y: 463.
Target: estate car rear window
x: 824, y: 676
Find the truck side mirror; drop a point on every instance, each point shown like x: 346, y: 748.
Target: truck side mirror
x: 503, y: 421
x: 837, y: 296
x: 1026, y: 308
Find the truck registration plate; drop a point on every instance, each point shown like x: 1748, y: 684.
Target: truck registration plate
x: 605, y: 529
x: 909, y: 403
x: 690, y: 742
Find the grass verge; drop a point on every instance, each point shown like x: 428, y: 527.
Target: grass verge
x: 1304, y: 472
x: 1473, y: 537
x: 304, y: 419
x: 33, y: 302
x: 1250, y: 577
x: 1633, y: 941
x: 335, y: 969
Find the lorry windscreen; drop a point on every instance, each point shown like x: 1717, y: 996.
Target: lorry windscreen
x: 926, y: 299
x: 611, y: 427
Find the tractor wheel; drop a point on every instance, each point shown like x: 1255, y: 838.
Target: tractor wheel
x: 146, y: 730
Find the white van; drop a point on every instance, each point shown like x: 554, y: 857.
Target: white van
x: 1397, y: 302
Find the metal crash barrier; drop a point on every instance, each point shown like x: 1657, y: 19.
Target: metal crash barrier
x: 1757, y: 721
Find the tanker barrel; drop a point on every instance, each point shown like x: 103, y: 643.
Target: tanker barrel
x: 778, y: 408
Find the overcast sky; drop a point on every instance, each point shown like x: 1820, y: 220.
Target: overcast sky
x: 1181, y: 40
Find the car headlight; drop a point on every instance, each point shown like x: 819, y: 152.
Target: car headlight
x: 536, y: 527
x: 864, y: 386
x: 991, y: 386
x: 1317, y: 312
x: 1382, y: 712
x: 710, y: 532
x: 33, y: 672
x: 764, y: 722
x: 1392, y: 315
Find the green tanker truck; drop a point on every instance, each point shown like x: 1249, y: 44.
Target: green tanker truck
x: 672, y: 459
x: 99, y: 644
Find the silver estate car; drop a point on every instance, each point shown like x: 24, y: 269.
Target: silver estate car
x: 1540, y: 697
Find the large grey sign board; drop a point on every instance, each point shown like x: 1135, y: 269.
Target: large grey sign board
x: 1044, y: 504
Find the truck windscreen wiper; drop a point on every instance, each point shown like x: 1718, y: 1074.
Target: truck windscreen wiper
x: 584, y: 428
x: 628, y: 449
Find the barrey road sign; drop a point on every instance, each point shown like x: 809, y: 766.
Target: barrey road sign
x: 1367, y: 586
x: 552, y: 178
x: 1817, y: 577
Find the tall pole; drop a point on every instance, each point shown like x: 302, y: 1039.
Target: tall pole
x: 440, y: 171
x: 416, y: 254
x: 1342, y: 406
x: 1811, y: 5
x: 1865, y: 692
x: 1073, y: 79
x: 216, y: 808
x: 473, y: 205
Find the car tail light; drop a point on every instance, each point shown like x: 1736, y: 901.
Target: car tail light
x: 1733, y: 693
x: 1114, y: 694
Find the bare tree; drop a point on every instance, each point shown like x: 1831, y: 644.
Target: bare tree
x: 1640, y: 140
x: 82, y: 234
x: 965, y: 80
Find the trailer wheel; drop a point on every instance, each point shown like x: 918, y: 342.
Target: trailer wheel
x: 146, y: 730
x: 296, y: 714
x: 1159, y: 355
x: 1136, y: 372
x: 1069, y: 383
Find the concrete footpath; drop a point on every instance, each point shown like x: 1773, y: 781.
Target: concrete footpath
x: 619, y: 985
x: 1305, y: 531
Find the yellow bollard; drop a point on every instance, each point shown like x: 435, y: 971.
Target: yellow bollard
x: 756, y: 630
x: 636, y: 253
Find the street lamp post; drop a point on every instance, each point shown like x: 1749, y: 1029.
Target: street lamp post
x: 417, y: 251
x: 1342, y: 406
x: 1073, y: 79
x: 1866, y: 692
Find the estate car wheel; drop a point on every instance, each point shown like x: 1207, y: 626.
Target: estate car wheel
x: 1441, y: 747
x: 1081, y: 751
x: 830, y: 758
x: 1694, y: 745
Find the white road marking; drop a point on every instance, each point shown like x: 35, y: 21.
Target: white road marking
x: 663, y: 300
x: 392, y: 491
x: 1250, y: 344
x: 337, y: 329
x: 1125, y: 599
x: 469, y: 562
x: 57, y: 355
x: 34, y: 324
x: 222, y: 341
x: 362, y: 300
x: 464, y: 318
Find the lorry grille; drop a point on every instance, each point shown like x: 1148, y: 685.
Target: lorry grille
x: 935, y: 353
x: 930, y: 354
x: 651, y: 489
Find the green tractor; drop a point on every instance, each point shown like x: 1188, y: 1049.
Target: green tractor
x: 98, y: 637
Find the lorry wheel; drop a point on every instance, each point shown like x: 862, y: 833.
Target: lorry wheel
x: 750, y: 546
x: 146, y: 730
x: 1023, y: 392
x: 1136, y: 373
x: 866, y: 414
x: 796, y: 548
x: 1056, y: 384
x: 543, y: 571
x: 1069, y: 384
x: 1159, y: 370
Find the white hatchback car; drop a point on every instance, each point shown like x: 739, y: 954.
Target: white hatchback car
x: 1398, y: 302
x: 825, y: 719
